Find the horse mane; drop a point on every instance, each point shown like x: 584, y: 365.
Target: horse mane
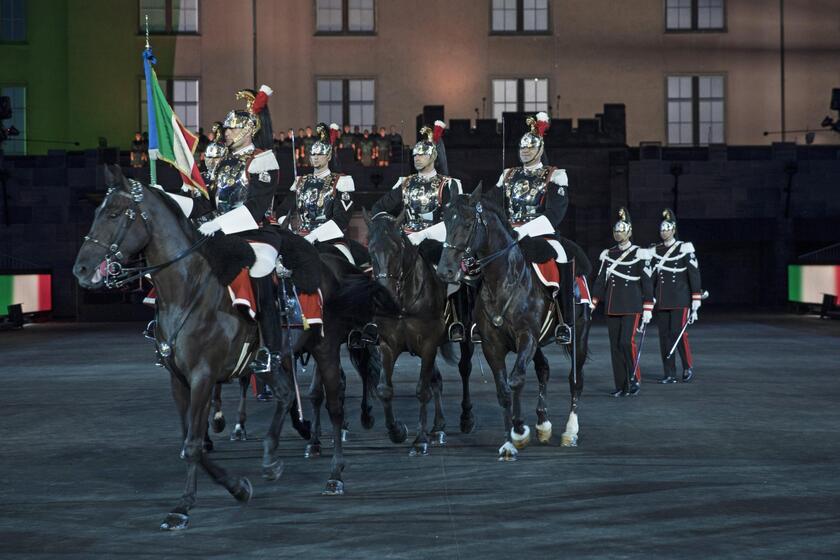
x: 493, y: 204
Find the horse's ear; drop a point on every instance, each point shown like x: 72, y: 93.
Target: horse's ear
x: 366, y: 216
x: 109, y: 176
x: 401, y: 219
x: 475, y: 196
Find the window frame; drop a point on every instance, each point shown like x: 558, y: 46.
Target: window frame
x: 24, y: 132
x: 345, y: 96
x: 345, y: 22
x: 695, y: 106
x: 520, y: 18
x: 694, y: 20
x: 25, y: 18
x: 169, y: 92
x: 520, y: 92
x: 168, y: 23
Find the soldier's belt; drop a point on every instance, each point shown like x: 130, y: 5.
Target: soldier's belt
x: 669, y: 269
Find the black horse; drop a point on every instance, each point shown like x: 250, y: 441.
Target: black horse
x: 202, y: 337
x: 420, y: 328
x: 514, y: 312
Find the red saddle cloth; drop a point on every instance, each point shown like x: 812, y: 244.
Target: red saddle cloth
x: 240, y: 290
x: 549, y: 274
x: 311, y: 305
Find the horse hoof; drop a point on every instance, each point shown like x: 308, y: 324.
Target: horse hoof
x: 368, y: 420
x: 398, y: 433
x: 345, y: 435
x: 569, y: 440
x: 244, y: 491
x: 218, y: 423
x: 273, y: 471
x: 522, y: 440
x: 467, y: 423
x: 419, y: 450
x: 439, y: 438
x: 312, y: 451
x: 334, y: 488
x: 508, y: 452
x: 175, y: 522
x: 544, y: 432
x: 238, y: 433
x: 208, y: 445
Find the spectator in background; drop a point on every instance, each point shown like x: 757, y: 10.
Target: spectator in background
x: 306, y: 144
x: 347, y: 140
x: 139, y: 154
x: 203, y: 141
x: 396, y: 143
x: 383, y: 148
x: 279, y: 138
x: 301, y: 153
x: 365, y: 151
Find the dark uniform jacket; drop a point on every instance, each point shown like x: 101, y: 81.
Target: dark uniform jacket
x: 624, y: 281
x: 676, y: 275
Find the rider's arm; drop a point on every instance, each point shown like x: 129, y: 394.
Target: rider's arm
x: 342, y: 204
x: 556, y: 198
x: 601, y: 280
x: 391, y: 202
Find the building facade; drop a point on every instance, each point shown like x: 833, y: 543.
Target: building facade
x: 690, y: 72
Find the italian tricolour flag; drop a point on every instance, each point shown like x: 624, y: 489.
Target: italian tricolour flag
x: 808, y: 283
x: 32, y: 291
x: 169, y: 139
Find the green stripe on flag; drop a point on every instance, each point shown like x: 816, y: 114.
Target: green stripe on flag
x: 163, y: 120
x: 794, y: 282
x: 6, y: 292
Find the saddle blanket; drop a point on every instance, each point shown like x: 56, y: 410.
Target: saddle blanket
x: 241, y: 294
x: 549, y: 274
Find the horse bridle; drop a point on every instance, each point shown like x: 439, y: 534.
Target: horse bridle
x: 471, y: 264
x: 398, y: 278
x: 116, y: 275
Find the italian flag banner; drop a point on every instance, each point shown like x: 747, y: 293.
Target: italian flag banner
x: 808, y: 283
x: 33, y: 291
x: 169, y: 139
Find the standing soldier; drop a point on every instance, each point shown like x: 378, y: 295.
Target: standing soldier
x: 383, y: 148
x: 624, y: 283
x: 677, y: 287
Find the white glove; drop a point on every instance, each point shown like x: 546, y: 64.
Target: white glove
x: 695, y: 304
x: 209, y: 228
x: 593, y: 303
x: 692, y: 317
x: 647, y: 315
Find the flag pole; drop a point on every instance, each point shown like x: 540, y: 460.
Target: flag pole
x: 152, y: 161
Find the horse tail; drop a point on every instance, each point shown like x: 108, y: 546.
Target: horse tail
x: 367, y: 362
x: 447, y: 352
x: 583, y: 266
x: 359, y: 298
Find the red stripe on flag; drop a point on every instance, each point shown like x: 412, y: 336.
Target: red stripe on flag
x: 192, y: 139
x: 837, y: 285
x: 44, y: 292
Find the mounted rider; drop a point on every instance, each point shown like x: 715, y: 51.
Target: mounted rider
x: 536, y: 199
x: 676, y: 275
x: 421, y: 196
x: 245, y: 184
x: 323, y: 200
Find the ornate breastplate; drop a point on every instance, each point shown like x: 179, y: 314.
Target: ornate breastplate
x: 231, y: 183
x: 421, y: 198
x: 524, y: 191
x: 313, y: 199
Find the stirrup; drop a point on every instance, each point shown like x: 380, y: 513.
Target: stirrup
x: 149, y: 331
x: 563, y: 334
x: 475, y: 336
x: 354, y: 339
x: 262, y: 361
x: 456, y: 332
x: 370, y: 334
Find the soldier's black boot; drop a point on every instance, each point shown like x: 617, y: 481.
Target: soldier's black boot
x: 667, y: 379
x: 634, y: 388
x: 268, y: 320
x: 688, y: 375
x: 563, y: 331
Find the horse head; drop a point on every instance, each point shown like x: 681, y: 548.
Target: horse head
x: 386, y: 244
x: 119, y: 231
x: 466, y: 231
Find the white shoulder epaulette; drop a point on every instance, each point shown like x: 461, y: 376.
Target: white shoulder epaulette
x: 604, y: 254
x: 686, y: 247
x: 263, y: 161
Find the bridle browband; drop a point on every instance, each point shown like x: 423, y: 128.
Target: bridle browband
x: 399, y: 279
x: 116, y: 275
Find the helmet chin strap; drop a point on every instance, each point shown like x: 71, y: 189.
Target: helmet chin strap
x: 234, y: 144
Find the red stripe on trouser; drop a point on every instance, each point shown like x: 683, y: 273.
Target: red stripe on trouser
x: 583, y: 287
x: 837, y: 285
x: 686, y: 346
x: 254, y: 385
x: 633, y: 347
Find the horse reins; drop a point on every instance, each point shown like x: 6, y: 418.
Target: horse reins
x: 470, y: 265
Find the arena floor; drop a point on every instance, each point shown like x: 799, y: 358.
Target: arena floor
x: 741, y: 463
